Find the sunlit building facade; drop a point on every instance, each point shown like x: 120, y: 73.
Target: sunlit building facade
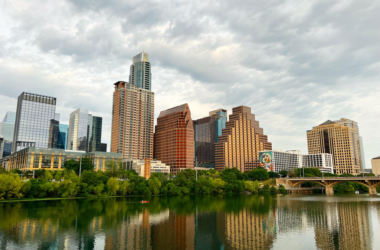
x: 240, y: 142
x: 174, y: 138
x: 338, y: 140
x: 132, y: 121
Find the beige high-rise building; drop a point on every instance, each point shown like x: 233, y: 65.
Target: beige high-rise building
x: 132, y: 121
x: 338, y: 140
x: 352, y: 124
x: 240, y: 142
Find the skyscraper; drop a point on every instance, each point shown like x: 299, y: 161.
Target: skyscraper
x: 174, y: 138
x: 241, y: 142
x: 132, y: 121
x: 7, y: 126
x: 140, y: 71
x: 35, y: 118
x: 63, y: 136
x: 206, y: 133
x: 338, y: 140
x: 85, y: 131
x: 352, y: 124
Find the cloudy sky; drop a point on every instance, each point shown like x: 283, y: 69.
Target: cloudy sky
x: 295, y: 63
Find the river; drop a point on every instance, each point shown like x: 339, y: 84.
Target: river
x: 194, y: 222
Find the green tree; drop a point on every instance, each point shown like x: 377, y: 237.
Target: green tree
x: 284, y: 173
x: 258, y: 174
x: 124, y: 187
x: 98, y: 189
x: 282, y: 190
x: 273, y: 174
x: 113, y: 168
x: 154, y: 185
x: 58, y: 175
x: 10, y: 186
x: 72, y: 165
x: 112, y: 186
x: 273, y: 190
x: 48, y: 175
x: 251, y: 186
x: 2, y: 170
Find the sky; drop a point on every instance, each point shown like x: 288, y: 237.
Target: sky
x: 295, y: 63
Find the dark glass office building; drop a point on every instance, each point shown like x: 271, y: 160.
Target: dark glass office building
x: 35, y: 122
x: 206, y: 133
x: 96, y: 138
x: 63, y: 136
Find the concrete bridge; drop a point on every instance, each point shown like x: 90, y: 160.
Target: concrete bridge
x: 330, y: 182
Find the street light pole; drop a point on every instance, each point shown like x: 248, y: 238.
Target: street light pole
x: 80, y: 165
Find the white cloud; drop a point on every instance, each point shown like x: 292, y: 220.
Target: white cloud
x: 296, y: 63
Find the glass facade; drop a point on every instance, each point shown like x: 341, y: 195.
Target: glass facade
x: 85, y: 131
x: 206, y: 133
x: 140, y: 72
x: 63, y: 136
x: 7, y: 126
x: 35, y: 116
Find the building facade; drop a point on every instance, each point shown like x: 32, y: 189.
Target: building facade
x: 103, y: 147
x: 146, y: 167
x: 7, y: 126
x: 338, y: 140
x: 174, y: 138
x: 132, y: 121
x: 85, y: 131
x: 322, y: 161
x: 206, y: 133
x: 278, y: 160
x: 35, y: 118
x: 32, y: 158
x: 240, y: 142
x: 140, y: 72
x: 63, y: 136
x: 376, y: 165
x: 352, y: 124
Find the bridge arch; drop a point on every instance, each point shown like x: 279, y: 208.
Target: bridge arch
x: 342, y: 181
x: 299, y: 183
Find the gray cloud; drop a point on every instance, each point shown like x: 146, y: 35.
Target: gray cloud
x: 296, y: 63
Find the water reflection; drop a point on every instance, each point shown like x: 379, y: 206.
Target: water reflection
x: 208, y: 222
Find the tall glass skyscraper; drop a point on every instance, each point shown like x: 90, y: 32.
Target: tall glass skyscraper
x: 140, y: 72
x: 63, y: 136
x: 220, y: 121
x: 7, y: 126
x: 85, y: 131
x: 35, y: 122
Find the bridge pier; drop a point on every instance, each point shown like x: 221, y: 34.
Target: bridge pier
x: 372, y: 190
x: 329, y: 190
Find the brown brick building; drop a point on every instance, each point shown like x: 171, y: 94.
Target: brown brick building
x: 338, y: 140
x: 174, y: 138
x: 132, y: 121
x: 240, y: 142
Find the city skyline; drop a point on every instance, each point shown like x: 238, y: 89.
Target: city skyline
x: 297, y: 67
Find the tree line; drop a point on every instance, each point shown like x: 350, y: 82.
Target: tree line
x: 116, y: 181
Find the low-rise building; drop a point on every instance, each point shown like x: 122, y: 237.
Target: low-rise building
x: 278, y: 160
x: 322, y: 161
x: 143, y: 169
x: 376, y: 165
x: 32, y: 158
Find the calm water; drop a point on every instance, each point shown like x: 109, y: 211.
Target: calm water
x: 194, y: 222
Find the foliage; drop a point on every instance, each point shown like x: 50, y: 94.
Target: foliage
x: 112, y: 186
x: 154, y: 185
x: 309, y: 172
x: 283, y: 173
x: 75, y: 165
x: 2, y: 170
x: 282, y: 190
x: 11, y: 185
x: 265, y: 189
x: 350, y: 187
x: 273, y: 190
x: 258, y: 174
x: 273, y: 174
x: 252, y: 186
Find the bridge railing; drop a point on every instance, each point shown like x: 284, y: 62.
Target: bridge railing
x: 337, y: 177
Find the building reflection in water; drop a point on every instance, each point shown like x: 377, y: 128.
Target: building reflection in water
x: 247, y: 230
x: 335, y: 225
